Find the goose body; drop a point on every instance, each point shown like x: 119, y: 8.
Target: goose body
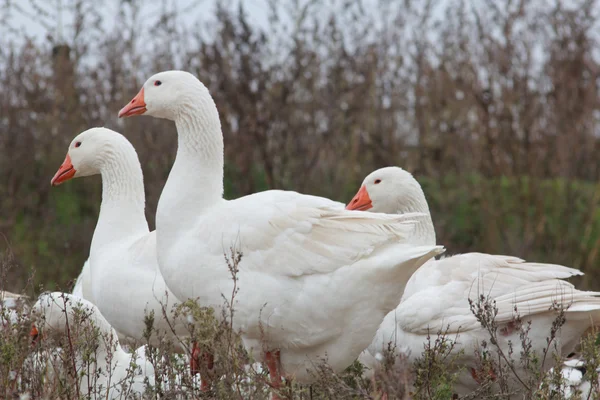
x: 110, y: 372
x: 288, y: 312
x: 436, y: 298
x: 123, y: 278
x: 314, y: 281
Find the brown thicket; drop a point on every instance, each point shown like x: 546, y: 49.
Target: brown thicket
x: 493, y: 105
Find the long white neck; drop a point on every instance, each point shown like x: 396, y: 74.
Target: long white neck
x: 415, y: 201
x: 424, y: 230
x: 123, y: 200
x: 108, y: 340
x: 195, y: 182
x: 108, y: 348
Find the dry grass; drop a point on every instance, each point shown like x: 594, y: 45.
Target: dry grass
x: 66, y: 365
x: 505, y: 141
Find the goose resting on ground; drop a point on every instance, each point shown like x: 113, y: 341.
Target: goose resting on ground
x: 437, y: 295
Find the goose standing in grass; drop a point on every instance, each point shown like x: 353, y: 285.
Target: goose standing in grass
x: 314, y: 281
x: 104, y: 369
x: 436, y: 298
x: 126, y: 284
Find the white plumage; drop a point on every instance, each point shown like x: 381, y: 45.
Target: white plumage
x: 109, y: 372
x: 314, y: 280
x: 436, y: 298
x: 121, y: 275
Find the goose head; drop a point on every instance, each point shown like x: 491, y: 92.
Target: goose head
x: 88, y: 153
x: 56, y: 313
x: 389, y: 190
x: 165, y: 94
x: 51, y: 310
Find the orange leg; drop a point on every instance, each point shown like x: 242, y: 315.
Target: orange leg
x: 273, y: 359
x: 194, y: 367
x: 480, y: 379
x: 208, y: 361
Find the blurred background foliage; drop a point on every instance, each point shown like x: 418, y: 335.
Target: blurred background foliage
x: 494, y: 106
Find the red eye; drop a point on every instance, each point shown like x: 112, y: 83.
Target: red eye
x: 377, y: 181
x: 77, y: 144
x: 157, y: 83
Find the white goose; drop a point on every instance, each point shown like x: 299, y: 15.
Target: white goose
x: 436, y: 297
x: 110, y: 372
x: 126, y: 284
x: 314, y: 280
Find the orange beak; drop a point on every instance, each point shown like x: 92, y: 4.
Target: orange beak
x: 137, y: 106
x: 360, y: 202
x: 64, y: 173
x: 34, y: 334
